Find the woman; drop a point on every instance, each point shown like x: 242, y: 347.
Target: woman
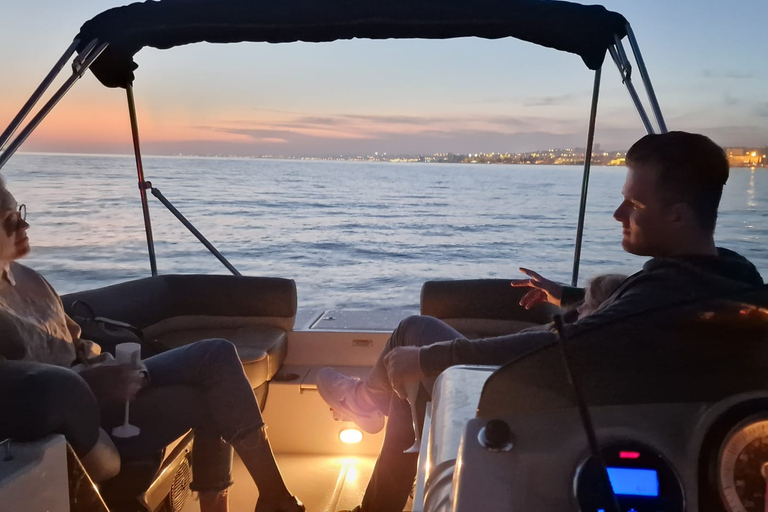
x: 200, y: 386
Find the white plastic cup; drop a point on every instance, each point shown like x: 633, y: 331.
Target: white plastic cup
x: 128, y: 353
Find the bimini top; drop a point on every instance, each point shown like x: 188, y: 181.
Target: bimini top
x: 586, y: 30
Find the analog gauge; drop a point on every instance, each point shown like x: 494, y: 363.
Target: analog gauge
x: 743, y: 467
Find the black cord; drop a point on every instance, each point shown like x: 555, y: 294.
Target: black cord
x: 586, y: 418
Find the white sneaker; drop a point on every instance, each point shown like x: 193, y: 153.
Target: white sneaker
x: 340, y: 392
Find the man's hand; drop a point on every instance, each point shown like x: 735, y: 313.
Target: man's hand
x: 403, y: 366
x: 113, y: 383
x: 543, y: 290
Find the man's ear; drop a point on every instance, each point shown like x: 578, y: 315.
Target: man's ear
x: 681, y: 213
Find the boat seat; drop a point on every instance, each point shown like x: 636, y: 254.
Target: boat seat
x: 482, y: 308
x: 262, y: 348
x: 254, y: 313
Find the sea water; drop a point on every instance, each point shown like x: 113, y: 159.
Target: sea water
x: 354, y: 235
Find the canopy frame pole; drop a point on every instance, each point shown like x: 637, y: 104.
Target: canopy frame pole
x: 585, y: 179
x: 81, y: 64
x: 32, y: 101
x: 143, y: 184
x: 625, y: 70
x: 192, y: 229
x: 646, y: 80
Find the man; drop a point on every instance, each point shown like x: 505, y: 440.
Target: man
x: 672, y: 191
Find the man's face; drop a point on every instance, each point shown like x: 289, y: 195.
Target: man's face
x: 14, y: 243
x: 645, y: 220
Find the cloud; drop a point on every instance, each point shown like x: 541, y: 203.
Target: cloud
x: 549, y: 101
x: 762, y: 110
x: 729, y: 100
x: 737, y: 75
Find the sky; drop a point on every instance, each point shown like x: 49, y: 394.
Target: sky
x: 706, y: 59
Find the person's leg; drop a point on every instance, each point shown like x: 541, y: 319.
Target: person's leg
x: 366, y: 401
x: 414, y: 331
x: 213, y: 395
x: 39, y: 399
x: 394, y: 473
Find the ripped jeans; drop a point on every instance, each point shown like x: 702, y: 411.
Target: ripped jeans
x: 200, y: 386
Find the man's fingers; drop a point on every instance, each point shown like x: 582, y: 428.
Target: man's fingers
x: 532, y: 298
x: 535, y: 275
x: 519, y: 283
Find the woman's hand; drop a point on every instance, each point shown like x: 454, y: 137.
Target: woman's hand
x: 543, y: 290
x: 113, y: 383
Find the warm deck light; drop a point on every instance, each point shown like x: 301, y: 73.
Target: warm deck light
x: 350, y: 436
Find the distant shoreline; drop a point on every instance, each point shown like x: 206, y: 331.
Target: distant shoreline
x: 551, y: 157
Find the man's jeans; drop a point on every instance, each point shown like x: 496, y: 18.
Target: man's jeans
x: 201, y: 386
x: 394, y: 474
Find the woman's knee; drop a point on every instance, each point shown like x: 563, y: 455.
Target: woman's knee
x: 220, y: 351
x: 57, y: 400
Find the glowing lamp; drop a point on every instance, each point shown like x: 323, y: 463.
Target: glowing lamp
x: 350, y: 436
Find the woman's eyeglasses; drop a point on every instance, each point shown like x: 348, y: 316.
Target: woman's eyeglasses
x: 12, y: 222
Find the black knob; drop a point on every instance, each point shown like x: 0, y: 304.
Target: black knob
x: 497, y: 434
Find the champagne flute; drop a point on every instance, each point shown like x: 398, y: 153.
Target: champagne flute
x: 412, y: 393
x: 130, y: 354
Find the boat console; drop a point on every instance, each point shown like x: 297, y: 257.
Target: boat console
x: 674, y: 433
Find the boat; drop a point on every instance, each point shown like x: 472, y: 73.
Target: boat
x: 559, y: 446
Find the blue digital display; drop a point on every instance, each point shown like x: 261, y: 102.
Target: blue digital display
x: 634, y: 482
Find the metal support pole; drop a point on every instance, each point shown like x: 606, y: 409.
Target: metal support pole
x: 208, y: 245
x: 27, y: 131
x: 143, y: 184
x: 29, y: 105
x: 585, y: 179
x: 646, y: 80
x: 620, y: 58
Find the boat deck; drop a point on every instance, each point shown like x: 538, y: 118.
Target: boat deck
x: 302, y: 429
x: 324, y: 483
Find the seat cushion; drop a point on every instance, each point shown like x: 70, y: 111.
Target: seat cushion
x: 261, y: 348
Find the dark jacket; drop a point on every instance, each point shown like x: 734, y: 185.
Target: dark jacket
x: 663, y: 282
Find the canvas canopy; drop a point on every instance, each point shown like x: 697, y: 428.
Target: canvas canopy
x: 586, y: 30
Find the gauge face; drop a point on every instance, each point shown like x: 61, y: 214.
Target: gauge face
x: 743, y: 467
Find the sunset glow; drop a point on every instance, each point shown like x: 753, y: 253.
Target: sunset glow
x: 411, y: 96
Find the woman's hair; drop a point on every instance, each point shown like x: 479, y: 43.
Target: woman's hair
x: 5, y: 196
x: 602, y: 286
